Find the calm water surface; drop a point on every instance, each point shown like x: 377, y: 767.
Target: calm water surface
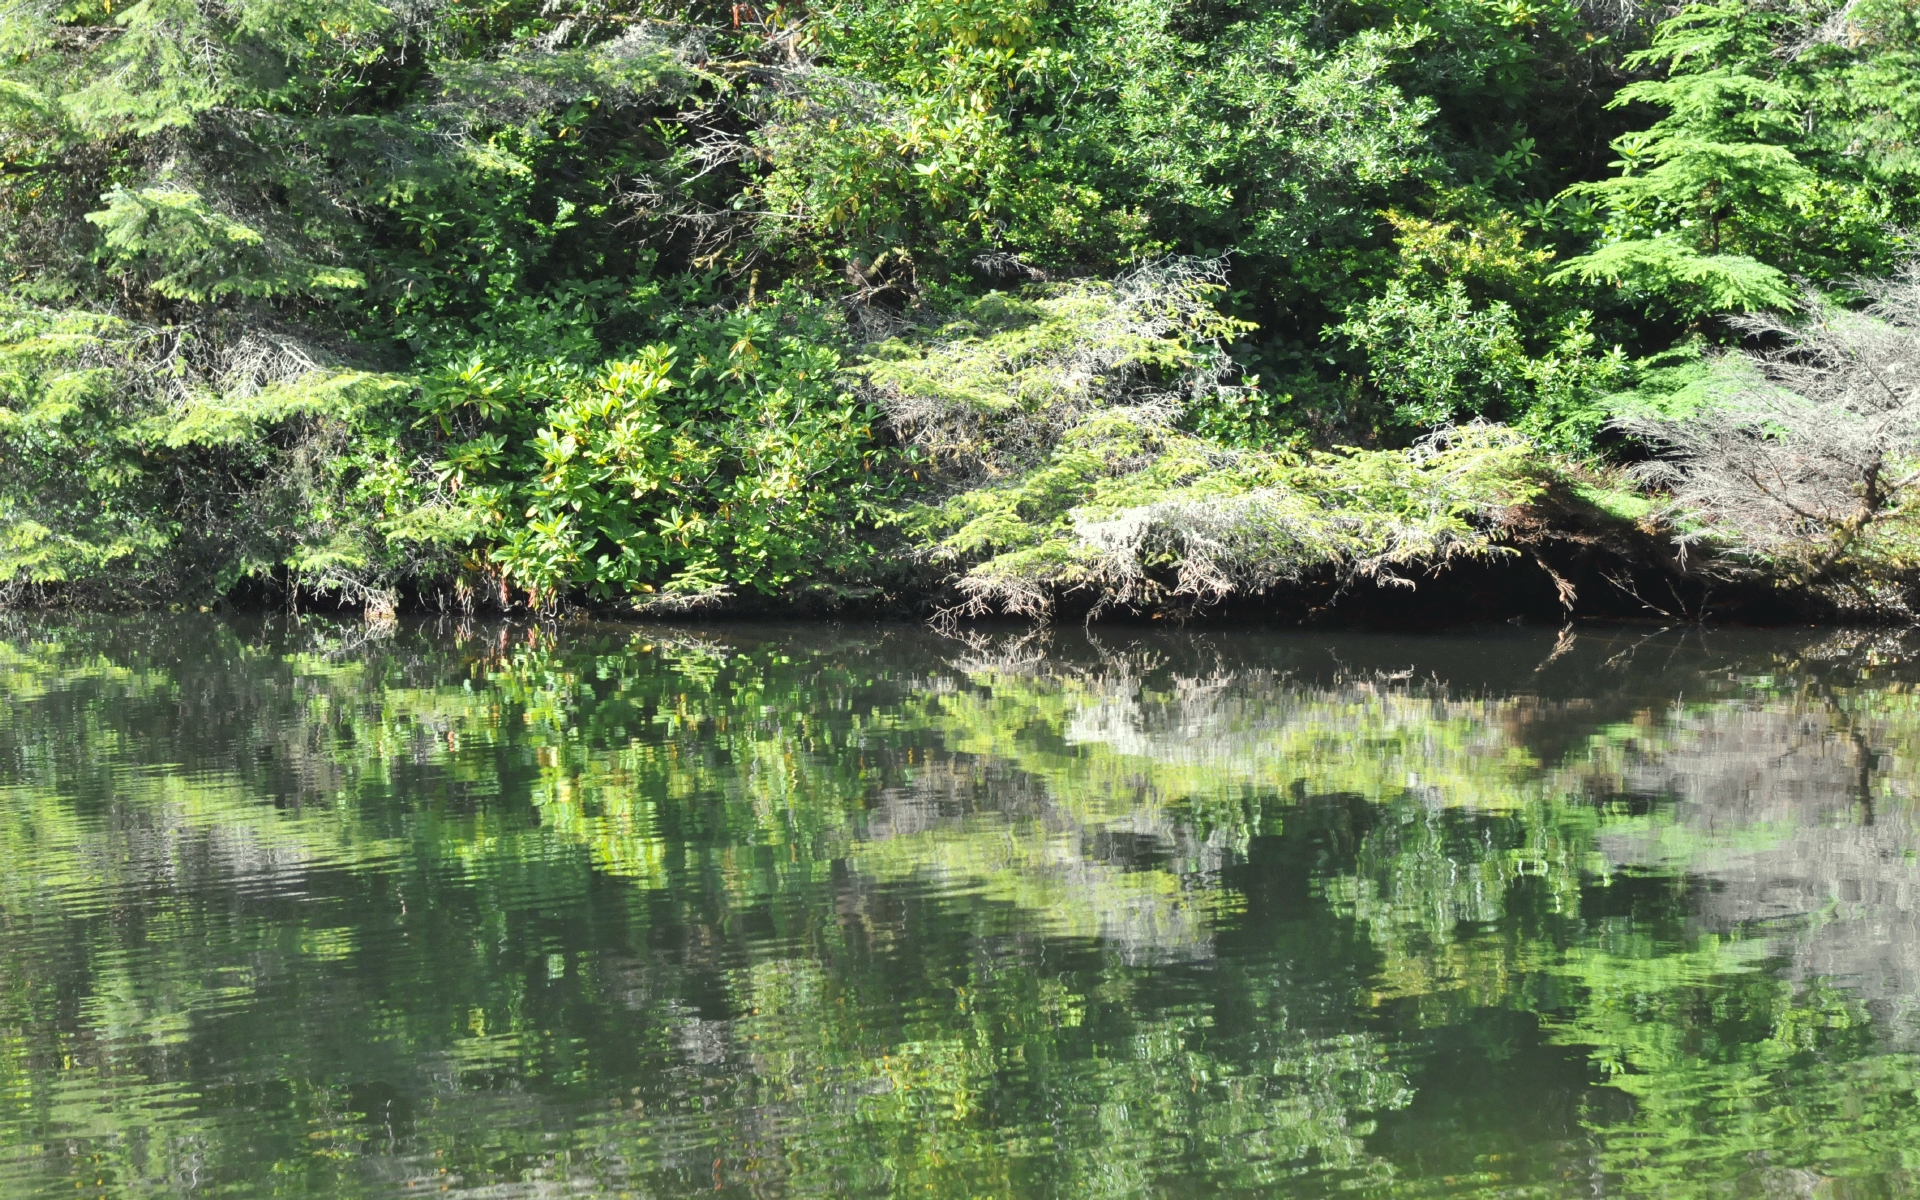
x: 318, y: 909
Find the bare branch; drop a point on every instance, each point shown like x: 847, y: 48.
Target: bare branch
x: 1809, y: 462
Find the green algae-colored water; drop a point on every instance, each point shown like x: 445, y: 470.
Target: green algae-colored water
x: 334, y: 910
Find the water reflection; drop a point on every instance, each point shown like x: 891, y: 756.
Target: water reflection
x: 306, y: 908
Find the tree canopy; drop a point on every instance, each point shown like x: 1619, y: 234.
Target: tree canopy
x: 655, y: 304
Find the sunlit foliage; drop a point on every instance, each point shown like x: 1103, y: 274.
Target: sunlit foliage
x: 327, y: 301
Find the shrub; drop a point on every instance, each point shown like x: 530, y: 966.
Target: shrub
x: 1807, y: 465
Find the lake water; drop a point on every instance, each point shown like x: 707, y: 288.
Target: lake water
x: 333, y: 910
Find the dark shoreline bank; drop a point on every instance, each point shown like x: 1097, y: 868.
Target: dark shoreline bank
x: 1516, y: 590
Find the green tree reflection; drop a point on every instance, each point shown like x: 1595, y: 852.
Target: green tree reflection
x: 297, y: 910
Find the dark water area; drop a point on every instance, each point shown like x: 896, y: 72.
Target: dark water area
x: 322, y: 909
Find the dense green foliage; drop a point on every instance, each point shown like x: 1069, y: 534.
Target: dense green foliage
x: 622, y: 302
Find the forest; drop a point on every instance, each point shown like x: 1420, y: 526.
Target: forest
x: 961, y: 307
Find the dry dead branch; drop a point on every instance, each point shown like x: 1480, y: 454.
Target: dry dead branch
x: 1808, y: 465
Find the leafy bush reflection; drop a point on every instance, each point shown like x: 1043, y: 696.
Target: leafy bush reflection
x: 797, y: 914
